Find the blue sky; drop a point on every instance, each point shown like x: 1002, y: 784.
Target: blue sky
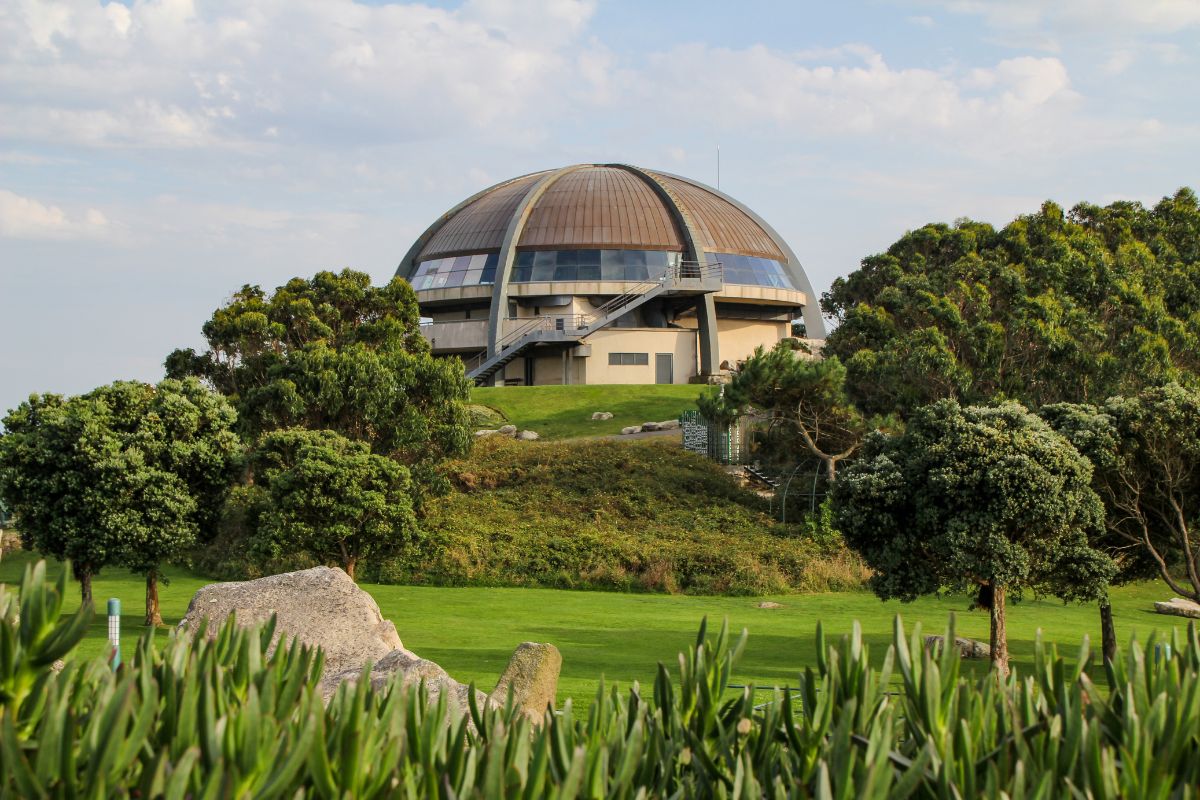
x: 155, y: 156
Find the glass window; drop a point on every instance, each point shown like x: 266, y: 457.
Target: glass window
x: 472, y: 277
x: 461, y: 263
x: 588, y: 258
x: 628, y: 359
x: 522, y: 274
x: 455, y: 278
x: 635, y: 272
x: 612, y: 272
x: 567, y: 258
x: 525, y: 259
x: 565, y: 272
x: 543, y: 271
x: 544, y: 258
x: 478, y: 260
x: 656, y: 259
x: 611, y: 258
x: 590, y: 272
x: 488, y: 275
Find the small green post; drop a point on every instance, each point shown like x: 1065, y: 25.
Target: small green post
x: 114, y: 632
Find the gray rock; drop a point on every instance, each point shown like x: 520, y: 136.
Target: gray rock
x: 412, y: 669
x: 485, y: 432
x: 669, y: 425
x: 649, y: 426
x: 321, y: 607
x: 1179, y: 607
x: 631, y: 429
x: 602, y: 415
x: 967, y: 648
x: 769, y: 604
x: 528, y: 436
x: 532, y: 676
x: 508, y: 430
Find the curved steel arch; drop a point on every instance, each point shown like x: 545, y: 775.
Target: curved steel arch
x: 706, y: 307
x: 813, y: 323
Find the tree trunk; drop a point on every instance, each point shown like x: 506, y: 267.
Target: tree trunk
x: 350, y: 565
x: 1108, y: 632
x: 83, y: 574
x: 831, y: 470
x: 153, y: 615
x: 999, y: 631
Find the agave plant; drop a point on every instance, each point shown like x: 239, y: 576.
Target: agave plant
x: 216, y: 718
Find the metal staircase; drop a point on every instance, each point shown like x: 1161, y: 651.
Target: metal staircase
x: 685, y: 278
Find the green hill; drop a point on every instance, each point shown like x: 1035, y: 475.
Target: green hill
x: 641, y: 516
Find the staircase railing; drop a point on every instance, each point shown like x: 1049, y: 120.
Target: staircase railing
x: 574, y: 323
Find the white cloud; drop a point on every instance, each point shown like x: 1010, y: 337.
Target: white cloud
x: 25, y: 218
x: 867, y: 97
x: 171, y: 74
x: 1045, y: 20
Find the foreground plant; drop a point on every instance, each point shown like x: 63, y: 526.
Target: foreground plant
x: 200, y: 718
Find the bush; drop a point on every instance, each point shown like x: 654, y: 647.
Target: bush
x: 643, y: 516
x: 219, y: 718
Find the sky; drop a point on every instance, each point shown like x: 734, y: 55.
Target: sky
x: 156, y: 156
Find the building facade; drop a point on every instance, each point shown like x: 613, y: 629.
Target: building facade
x: 604, y: 273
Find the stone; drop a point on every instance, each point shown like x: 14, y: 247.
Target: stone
x: 601, y: 415
x: 967, y: 648
x: 412, y: 669
x: 528, y: 436
x: 532, y: 676
x: 769, y: 604
x: 649, y: 426
x: 485, y: 432
x: 507, y: 430
x: 669, y: 425
x: 321, y: 607
x: 631, y: 429
x: 1179, y: 607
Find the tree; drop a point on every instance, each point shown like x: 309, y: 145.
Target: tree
x: 334, y: 353
x: 1145, y: 451
x: 807, y: 396
x: 124, y: 474
x: 329, y: 495
x: 970, y: 497
x: 1053, y: 308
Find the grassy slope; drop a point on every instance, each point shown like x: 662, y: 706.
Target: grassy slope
x: 472, y: 631
x: 612, y: 515
x: 560, y: 412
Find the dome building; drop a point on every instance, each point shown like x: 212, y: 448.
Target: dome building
x: 604, y: 273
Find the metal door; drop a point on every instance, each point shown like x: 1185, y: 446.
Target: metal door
x: 664, y: 367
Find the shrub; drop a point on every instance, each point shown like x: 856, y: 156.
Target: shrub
x: 219, y: 718
x: 612, y: 515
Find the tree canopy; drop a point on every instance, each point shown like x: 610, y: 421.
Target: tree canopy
x: 1054, y: 307
x: 806, y: 397
x: 321, y: 492
x: 128, y: 473
x: 970, y: 496
x: 1146, y: 453
x: 334, y: 353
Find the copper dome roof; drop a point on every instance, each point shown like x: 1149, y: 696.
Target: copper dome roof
x: 599, y: 206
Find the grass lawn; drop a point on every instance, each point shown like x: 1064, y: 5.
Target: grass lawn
x: 563, y: 412
x: 472, y: 631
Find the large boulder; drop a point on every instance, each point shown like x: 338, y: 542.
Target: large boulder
x: 507, y: 430
x: 1179, y: 607
x: 669, y: 425
x: 528, y: 436
x: 647, y: 427
x: 321, y: 607
x: 628, y: 429
x: 602, y: 415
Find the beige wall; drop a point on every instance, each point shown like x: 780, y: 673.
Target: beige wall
x: 681, y: 343
x: 737, y: 338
